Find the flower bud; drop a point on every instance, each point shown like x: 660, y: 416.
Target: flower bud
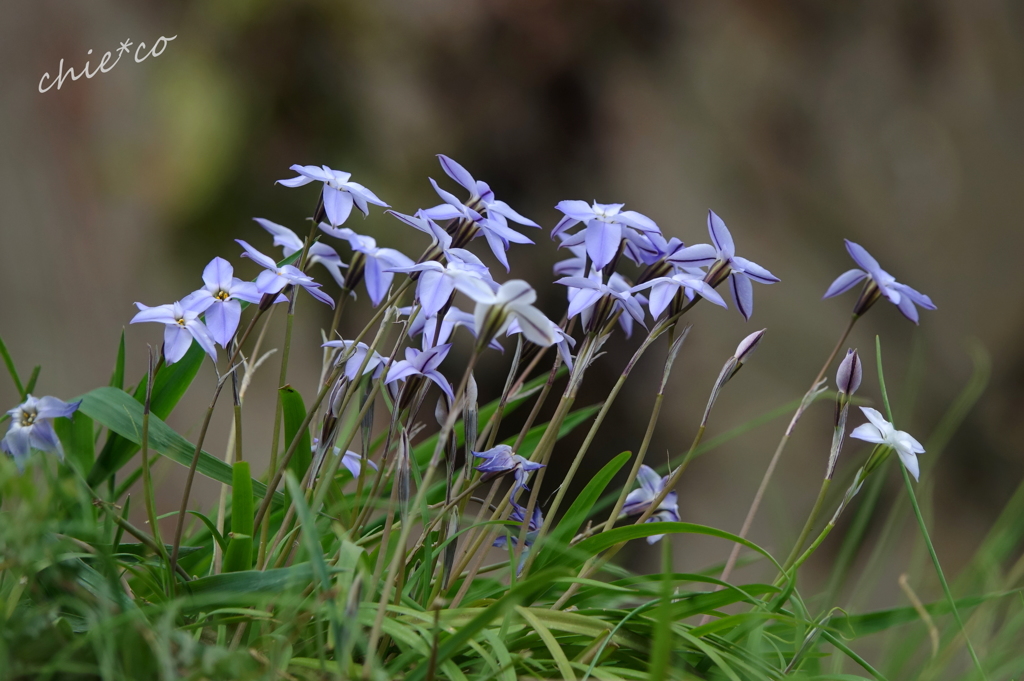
x: 850, y: 372
x: 748, y: 345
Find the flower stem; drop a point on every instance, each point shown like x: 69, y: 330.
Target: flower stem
x: 756, y: 503
x: 806, y: 531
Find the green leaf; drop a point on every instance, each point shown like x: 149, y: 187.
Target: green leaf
x: 212, y: 527
x: 12, y: 370
x: 33, y: 377
x: 117, y: 378
x: 553, y: 548
x: 76, y: 435
x: 122, y: 414
x: 454, y: 643
x: 594, y: 545
x: 238, y: 555
x: 169, y: 386
x: 561, y: 661
x: 856, y: 626
x: 309, y: 531
x: 294, y: 414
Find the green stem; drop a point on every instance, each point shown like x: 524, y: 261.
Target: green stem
x: 808, y: 526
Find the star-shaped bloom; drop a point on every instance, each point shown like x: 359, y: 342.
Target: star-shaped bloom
x: 495, y: 310
x: 339, y: 193
x: 219, y: 300
x: 32, y: 427
x: 640, y: 499
x: 726, y: 263
x: 422, y: 363
x: 273, y: 279
x: 436, y: 282
x: 587, y: 292
x: 502, y: 460
x: 374, y: 366
x: 181, y: 326
x: 372, y: 264
x: 664, y: 289
x: 490, y: 215
x: 319, y: 252
x: 882, y: 283
x: 880, y: 431
x: 606, y: 226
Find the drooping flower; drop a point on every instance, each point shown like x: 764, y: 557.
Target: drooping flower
x: 32, y: 427
x: 274, y: 279
x: 606, y: 226
x: 422, y: 363
x: 488, y: 215
x: 339, y: 194
x: 319, y: 252
x: 725, y: 263
x: 181, y: 326
x: 881, y: 284
x: 518, y: 515
x: 880, y: 431
x: 373, y: 367
x: 219, y: 300
x: 370, y: 263
x: 640, y: 499
x: 501, y: 460
x: 495, y: 310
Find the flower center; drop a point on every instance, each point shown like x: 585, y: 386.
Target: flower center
x: 222, y: 295
x: 28, y: 418
x: 180, y: 321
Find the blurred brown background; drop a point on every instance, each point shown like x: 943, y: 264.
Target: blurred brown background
x: 894, y: 124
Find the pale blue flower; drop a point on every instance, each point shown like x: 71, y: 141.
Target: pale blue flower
x: 219, y: 300
x: 502, y: 460
x: 374, y: 366
x: 319, y: 252
x: 900, y: 295
x: 273, y: 279
x: 181, y: 326
x: 725, y: 263
x: 488, y: 214
x: 422, y: 363
x: 606, y: 226
x: 339, y: 193
x: 32, y: 427
x: 496, y: 310
x: 371, y: 264
x: 640, y: 499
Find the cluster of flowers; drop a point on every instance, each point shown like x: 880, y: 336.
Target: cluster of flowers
x: 672, y: 277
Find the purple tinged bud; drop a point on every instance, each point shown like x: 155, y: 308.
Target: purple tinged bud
x: 748, y: 345
x: 850, y: 373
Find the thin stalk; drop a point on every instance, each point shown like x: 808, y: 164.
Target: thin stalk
x: 147, y: 478
x: 924, y: 527
x: 278, y: 417
x: 756, y: 503
x: 808, y: 526
x: 395, y: 565
x: 563, y: 488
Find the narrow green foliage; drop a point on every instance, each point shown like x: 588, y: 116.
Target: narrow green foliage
x: 117, y: 377
x: 78, y: 438
x: 238, y: 555
x: 169, y: 387
x: 294, y: 414
x: 119, y: 412
x: 12, y: 370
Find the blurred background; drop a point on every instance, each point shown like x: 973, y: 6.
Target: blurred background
x: 896, y: 124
